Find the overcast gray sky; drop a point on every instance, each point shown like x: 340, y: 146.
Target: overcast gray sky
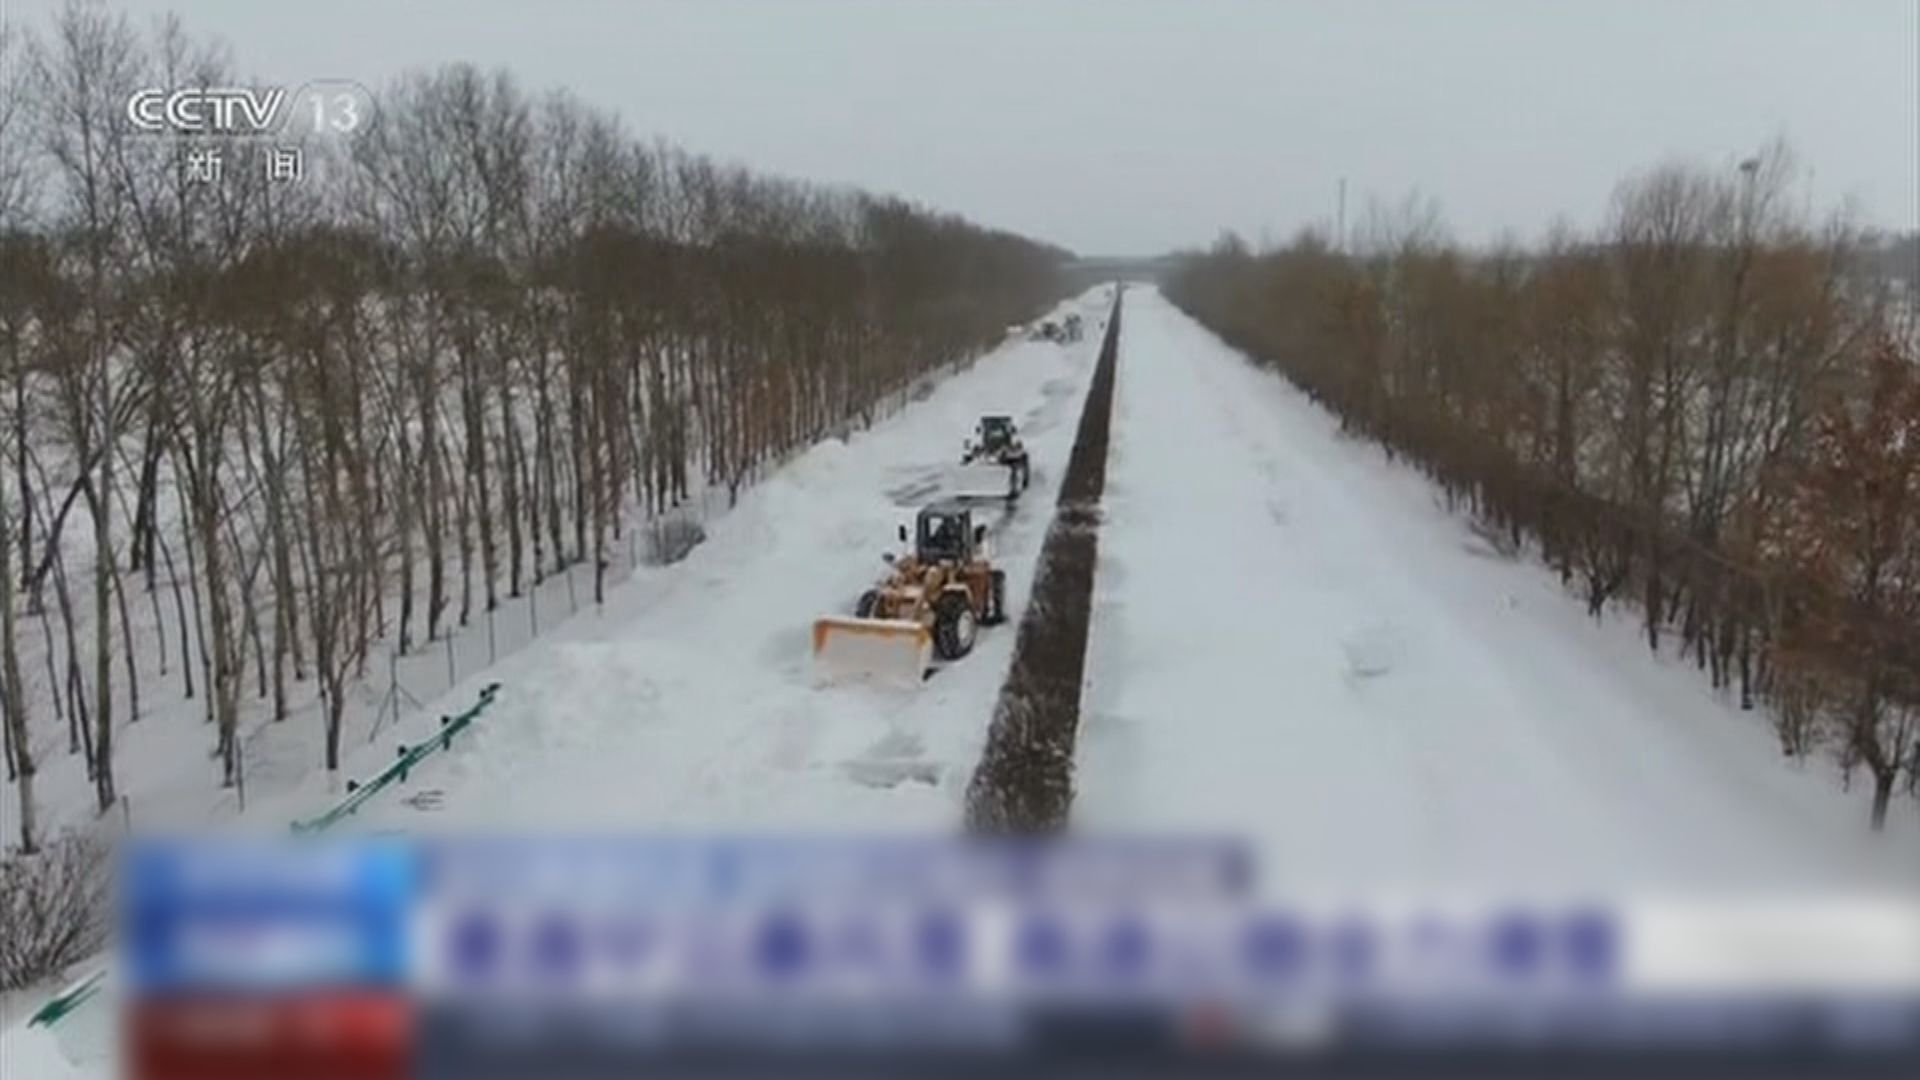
x: 1133, y: 127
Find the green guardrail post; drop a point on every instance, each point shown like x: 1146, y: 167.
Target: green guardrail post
x: 68, y: 1000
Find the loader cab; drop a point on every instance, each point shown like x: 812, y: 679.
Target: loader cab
x: 996, y: 432
x: 946, y: 534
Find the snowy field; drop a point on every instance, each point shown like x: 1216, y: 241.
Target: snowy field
x: 1293, y: 641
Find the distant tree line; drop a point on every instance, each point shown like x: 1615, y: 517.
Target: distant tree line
x: 1895, y: 256
x: 1706, y: 408
x: 464, y: 352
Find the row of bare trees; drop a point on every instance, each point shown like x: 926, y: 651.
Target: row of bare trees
x: 468, y: 349
x: 1703, y: 408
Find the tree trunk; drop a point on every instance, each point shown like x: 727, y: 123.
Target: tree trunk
x: 510, y: 493
x: 12, y: 693
x: 336, y: 707
x: 1882, y: 795
x: 223, y: 691
x: 126, y: 642
x: 146, y: 505
x: 104, y: 795
x: 22, y: 478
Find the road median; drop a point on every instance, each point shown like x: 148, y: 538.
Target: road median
x: 1024, y: 781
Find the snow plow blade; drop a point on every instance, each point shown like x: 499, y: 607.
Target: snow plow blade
x: 981, y: 480
x: 884, y: 650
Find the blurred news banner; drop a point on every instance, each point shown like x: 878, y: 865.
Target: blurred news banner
x: 609, y: 956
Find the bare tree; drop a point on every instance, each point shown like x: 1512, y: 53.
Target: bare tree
x: 489, y: 337
x: 1633, y: 401
x: 79, y: 76
x: 17, y: 251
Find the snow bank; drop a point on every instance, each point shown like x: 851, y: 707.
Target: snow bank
x: 33, y: 1054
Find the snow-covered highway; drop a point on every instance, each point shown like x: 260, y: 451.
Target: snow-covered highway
x: 1293, y: 641
x: 690, y: 701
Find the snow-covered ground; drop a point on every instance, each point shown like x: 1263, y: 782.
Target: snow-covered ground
x: 35, y: 1054
x: 1292, y: 641
x: 690, y: 700
x: 165, y: 769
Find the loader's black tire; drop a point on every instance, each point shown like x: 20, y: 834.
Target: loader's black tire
x: 996, y: 598
x: 954, y: 626
x: 869, y: 600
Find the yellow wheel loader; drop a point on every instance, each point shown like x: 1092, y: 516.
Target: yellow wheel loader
x: 933, y: 600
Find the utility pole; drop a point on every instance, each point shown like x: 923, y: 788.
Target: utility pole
x: 1340, y: 219
x: 1748, y: 169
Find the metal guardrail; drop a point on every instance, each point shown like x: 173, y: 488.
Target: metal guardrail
x: 69, y: 999
x: 91, y: 984
x: 409, y: 757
